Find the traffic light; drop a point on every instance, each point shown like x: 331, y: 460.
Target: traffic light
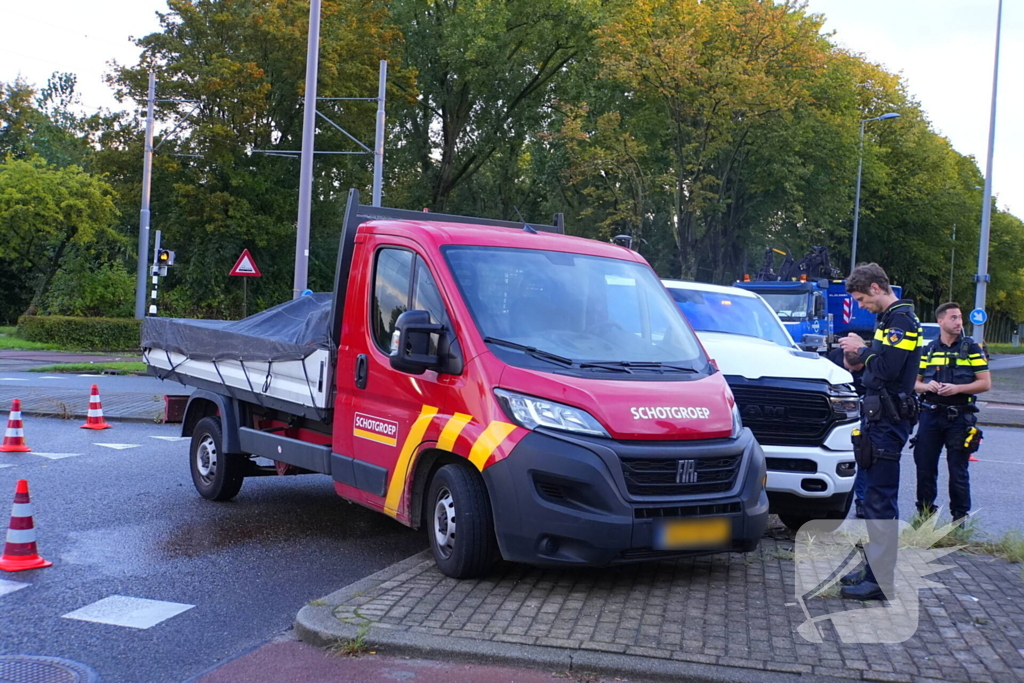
x: 164, y: 257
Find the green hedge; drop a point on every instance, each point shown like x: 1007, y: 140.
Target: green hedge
x: 89, y: 334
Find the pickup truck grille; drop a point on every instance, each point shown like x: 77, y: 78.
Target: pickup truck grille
x: 660, y: 477
x: 784, y: 417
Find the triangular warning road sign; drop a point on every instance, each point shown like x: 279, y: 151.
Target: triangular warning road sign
x: 246, y: 266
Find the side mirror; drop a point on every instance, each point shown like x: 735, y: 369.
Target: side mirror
x: 410, y: 343
x: 812, y: 342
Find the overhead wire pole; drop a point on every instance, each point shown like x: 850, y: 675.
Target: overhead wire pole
x: 306, y: 162
x: 147, y: 178
x: 378, y: 146
x: 982, y: 276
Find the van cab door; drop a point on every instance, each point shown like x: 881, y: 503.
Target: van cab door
x: 384, y: 413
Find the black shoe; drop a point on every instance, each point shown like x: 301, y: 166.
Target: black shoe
x: 858, y: 509
x: 854, y: 577
x: 865, y: 590
x: 959, y: 517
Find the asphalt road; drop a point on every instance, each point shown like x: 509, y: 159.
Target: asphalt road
x: 129, y: 523
x: 84, y: 381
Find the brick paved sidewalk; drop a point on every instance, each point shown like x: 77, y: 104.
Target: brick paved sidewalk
x: 724, y: 617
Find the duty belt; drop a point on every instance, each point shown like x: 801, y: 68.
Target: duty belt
x: 952, y: 412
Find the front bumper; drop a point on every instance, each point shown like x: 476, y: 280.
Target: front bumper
x: 563, y: 500
x: 809, y: 479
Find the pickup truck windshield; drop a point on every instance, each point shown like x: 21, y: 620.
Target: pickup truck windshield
x: 584, y: 308
x: 716, y: 312
x: 789, y: 306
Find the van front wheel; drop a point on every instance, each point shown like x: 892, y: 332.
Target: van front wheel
x: 460, y: 523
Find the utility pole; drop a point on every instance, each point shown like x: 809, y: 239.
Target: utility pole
x: 306, y: 162
x: 147, y: 181
x: 952, y: 256
x: 982, y: 276
x: 378, y: 146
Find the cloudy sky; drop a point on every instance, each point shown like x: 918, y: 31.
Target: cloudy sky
x: 944, y: 48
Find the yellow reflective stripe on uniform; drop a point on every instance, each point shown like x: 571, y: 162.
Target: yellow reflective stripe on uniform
x: 451, y: 431
x: 905, y: 344
x: 879, y: 336
x: 490, y: 439
x: 396, y: 487
x: 977, y: 362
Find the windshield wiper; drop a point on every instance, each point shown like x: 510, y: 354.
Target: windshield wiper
x: 532, y: 350
x: 625, y: 365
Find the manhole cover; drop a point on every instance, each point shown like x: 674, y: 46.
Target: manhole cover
x: 28, y: 669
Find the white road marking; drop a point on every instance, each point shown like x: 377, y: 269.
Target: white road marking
x: 13, y: 379
x: 7, y: 587
x: 3, y: 466
x: 88, y: 375
x: 56, y: 456
x: 120, y: 610
x: 172, y: 438
x: 118, y: 446
x: 51, y: 377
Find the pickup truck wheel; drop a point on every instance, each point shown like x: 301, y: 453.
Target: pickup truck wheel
x: 460, y: 523
x: 217, y: 475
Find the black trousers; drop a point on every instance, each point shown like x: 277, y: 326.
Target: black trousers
x: 881, y: 501
x: 934, y: 432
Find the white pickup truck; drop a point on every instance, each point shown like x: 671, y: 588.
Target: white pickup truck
x: 801, y: 407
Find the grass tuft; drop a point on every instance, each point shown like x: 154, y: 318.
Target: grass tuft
x: 350, y: 647
x: 120, y: 367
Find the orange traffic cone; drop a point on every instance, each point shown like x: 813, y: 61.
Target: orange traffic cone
x: 972, y: 459
x: 14, y: 437
x: 20, y: 553
x: 94, y: 420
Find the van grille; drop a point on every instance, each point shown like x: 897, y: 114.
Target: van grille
x: 784, y: 417
x: 659, y: 477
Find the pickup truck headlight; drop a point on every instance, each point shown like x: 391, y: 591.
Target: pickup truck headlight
x: 530, y: 412
x: 737, y: 421
x: 845, y: 402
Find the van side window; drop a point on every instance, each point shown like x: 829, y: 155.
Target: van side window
x: 391, y: 280
x: 426, y: 296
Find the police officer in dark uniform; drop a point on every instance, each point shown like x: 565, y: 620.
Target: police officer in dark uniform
x: 953, y: 371
x: 889, y: 410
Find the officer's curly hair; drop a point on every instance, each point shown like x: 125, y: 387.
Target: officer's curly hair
x: 863, y: 276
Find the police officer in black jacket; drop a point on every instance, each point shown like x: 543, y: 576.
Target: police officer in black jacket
x: 953, y: 371
x: 889, y: 410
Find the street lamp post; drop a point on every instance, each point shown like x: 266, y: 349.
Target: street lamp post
x: 982, y: 277
x: 860, y: 167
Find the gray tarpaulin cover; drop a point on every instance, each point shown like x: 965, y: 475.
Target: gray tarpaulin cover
x: 289, y: 331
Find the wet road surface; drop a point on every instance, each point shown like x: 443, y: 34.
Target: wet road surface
x: 125, y: 524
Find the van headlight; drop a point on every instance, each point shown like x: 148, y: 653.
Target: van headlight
x: 737, y: 421
x: 845, y: 402
x: 530, y: 412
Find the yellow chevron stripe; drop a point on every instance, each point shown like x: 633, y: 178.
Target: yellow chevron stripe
x: 451, y: 431
x: 491, y: 438
x: 396, y: 487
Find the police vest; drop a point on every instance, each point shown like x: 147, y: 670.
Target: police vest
x: 950, y: 366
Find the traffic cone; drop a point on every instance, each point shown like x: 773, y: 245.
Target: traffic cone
x: 972, y: 459
x: 95, y: 418
x: 20, y: 553
x: 14, y: 437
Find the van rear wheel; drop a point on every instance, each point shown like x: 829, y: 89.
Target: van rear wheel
x: 460, y: 524
x: 216, y: 475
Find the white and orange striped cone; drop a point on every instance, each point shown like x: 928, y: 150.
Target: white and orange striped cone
x: 14, y: 437
x: 20, y: 552
x: 95, y: 420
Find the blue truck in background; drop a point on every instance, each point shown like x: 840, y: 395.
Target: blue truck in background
x: 811, y: 300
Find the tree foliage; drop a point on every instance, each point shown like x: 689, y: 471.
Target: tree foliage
x: 706, y: 129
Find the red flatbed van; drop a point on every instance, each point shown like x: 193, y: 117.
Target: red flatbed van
x: 516, y: 391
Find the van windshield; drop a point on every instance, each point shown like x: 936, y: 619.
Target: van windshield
x: 572, y: 307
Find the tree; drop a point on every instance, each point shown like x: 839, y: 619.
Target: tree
x: 44, y: 210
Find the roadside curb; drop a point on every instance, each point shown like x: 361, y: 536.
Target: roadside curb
x: 81, y: 416
x: 318, y: 626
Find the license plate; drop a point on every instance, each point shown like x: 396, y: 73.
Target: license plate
x: 682, y: 534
